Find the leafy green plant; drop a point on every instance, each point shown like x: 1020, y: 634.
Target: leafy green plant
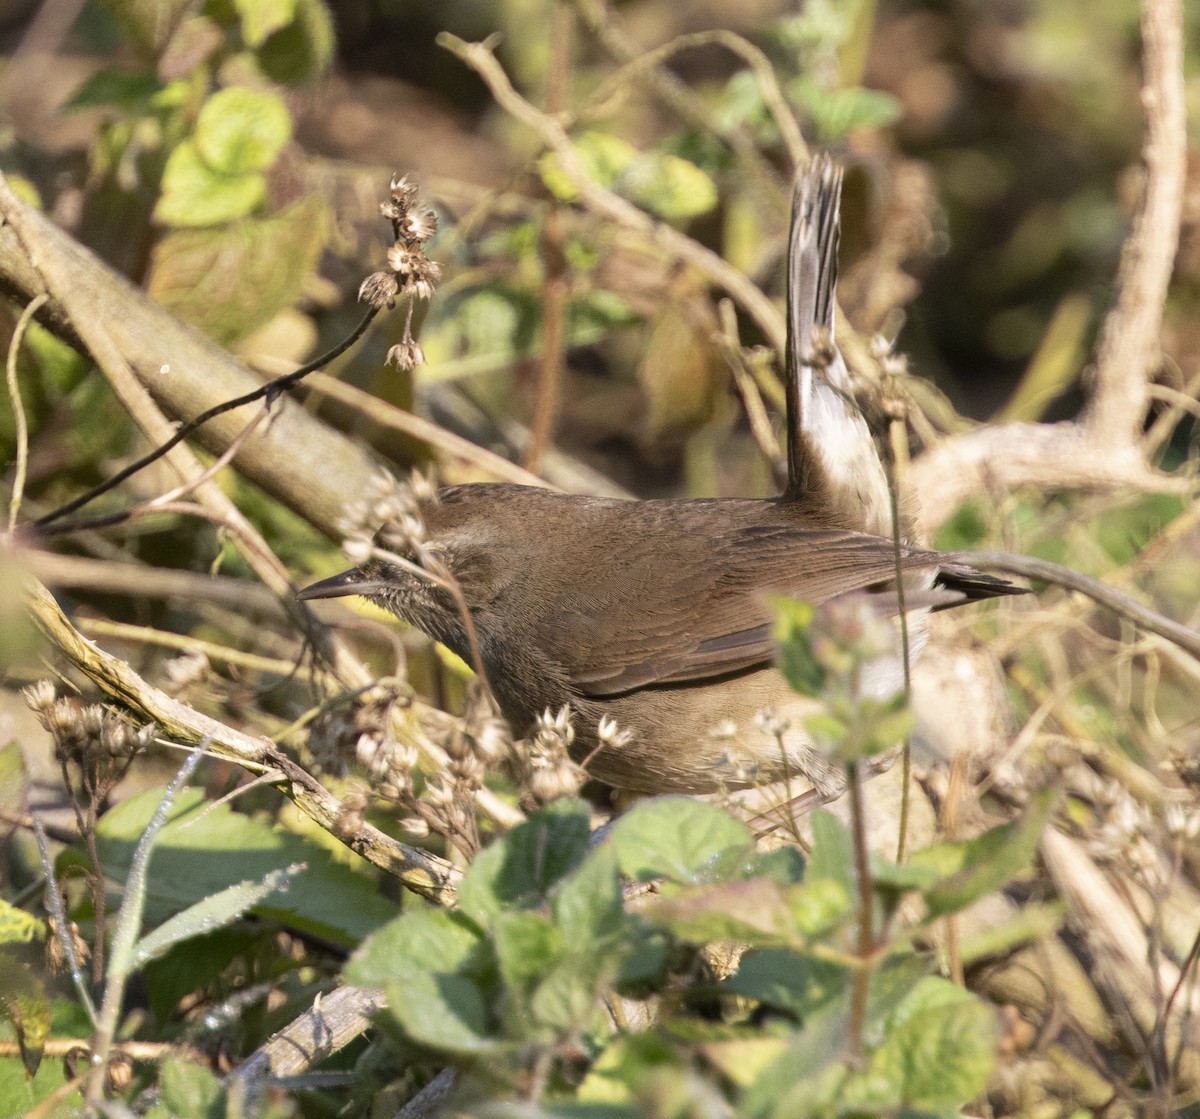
x: 529, y: 986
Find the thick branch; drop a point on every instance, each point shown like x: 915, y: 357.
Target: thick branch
x: 305, y: 464
x: 1064, y: 456
x: 1128, y: 351
x: 421, y: 872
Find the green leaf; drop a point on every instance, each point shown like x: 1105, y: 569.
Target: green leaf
x: 231, y: 280
x: 441, y: 1010
x: 756, y: 911
x: 587, y: 908
x: 795, y: 657
x: 240, y: 130
x: 939, y: 1049
x: 261, y: 18
x: 211, y: 913
x: 194, y: 194
x: 302, y: 50
x: 676, y: 838
x: 790, y: 980
x: 195, y: 965
x: 204, y: 850
x: 17, y: 926
x: 668, y: 185
x: 25, y: 1003
x: 975, y: 867
x: 126, y: 89
x: 567, y: 999
x: 527, y: 946
x: 603, y: 155
x: 836, y: 112
x: 189, y: 1091
x: 433, y: 940
x: 149, y: 23
x: 519, y: 870
x: 832, y: 853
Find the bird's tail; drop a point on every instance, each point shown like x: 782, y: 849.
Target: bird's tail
x: 834, y: 470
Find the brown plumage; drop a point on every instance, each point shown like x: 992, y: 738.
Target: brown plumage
x: 655, y: 613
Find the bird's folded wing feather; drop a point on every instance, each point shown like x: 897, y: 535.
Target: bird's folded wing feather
x: 708, y: 613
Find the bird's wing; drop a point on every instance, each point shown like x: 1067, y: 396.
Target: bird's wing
x: 707, y: 614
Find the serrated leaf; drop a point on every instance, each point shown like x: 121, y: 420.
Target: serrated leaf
x: 19, y: 927
x: 756, y: 911
x: 230, y: 281
x: 25, y: 1003
x: 126, y: 89
x: 240, y: 130
x: 567, y: 998
x: 189, y: 1091
x: 791, y: 980
x: 832, y: 853
x: 836, y: 112
x: 668, y: 185
x: 212, y: 913
x: 193, y: 194
x: 527, y: 947
x: 149, y: 23
x: 939, y: 1048
x: 604, y: 158
x: 677, y: 838
x: 975, y: 867
x: 587, y: 908
x: 519, y: 870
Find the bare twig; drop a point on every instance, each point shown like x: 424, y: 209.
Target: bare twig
x: 1114, y: 600
x: 14, y: 392
x: 611, y: 206
x: 556, y: 288
x: 334, y: 1020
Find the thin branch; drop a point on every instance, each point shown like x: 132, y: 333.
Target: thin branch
x: 611, y: 206
x: 647, y: 66
x: 556, y: 285
x: 423, y: 873
x: 1114, y: 600
x: 14, y: 392
x: 269, y: 392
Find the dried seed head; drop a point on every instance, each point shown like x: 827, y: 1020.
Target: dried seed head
x: 403, y: 259
x: 406, y: 355
x: 379, y: 290
x: 40, y: 698
x: 415, y: 826
x: 419, y: 225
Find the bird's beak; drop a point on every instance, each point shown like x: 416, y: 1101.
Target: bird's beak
x: 338, y: 586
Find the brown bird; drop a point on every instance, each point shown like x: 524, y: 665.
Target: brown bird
x: 655, y: 613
